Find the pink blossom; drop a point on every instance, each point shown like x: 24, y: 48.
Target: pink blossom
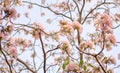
x: 35, y: 34
x: 90, y: 44
x: 66, y: 46
x: 87, y: 44
x: 77, y: 25
x: 108, y: 47
x: 7, y: 2
x: 72, y: 67
x: 112, y: 60
x: 29, y: 43
x: 82, y: 44
x: 106, y: 20
x: 13, y: 51
x: 110, y: 71
x: 39, y: 28
x: 57, y: 37
x: 38, y: 25
x: 103, y: 23
x: 23, y: 42
x: 67, y: 29
x: 112, y: 39
x: 13, y: 13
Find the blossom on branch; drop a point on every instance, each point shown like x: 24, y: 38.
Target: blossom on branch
x: 103, y: 23
x: 112, y: 39
x: 76, y: 25
x: 72, y: 67
x: 66, y: 47
x: 11, y: 13
x: 13, y: 51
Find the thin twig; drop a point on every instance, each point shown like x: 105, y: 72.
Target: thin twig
x: 84, y: 52
x: 53, y: 49
x: 102, y: 44
x: 96, y: 8
x: 47, y: 7
x: 19, y: 60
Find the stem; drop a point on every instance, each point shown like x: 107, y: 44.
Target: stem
x: 25, y: 65
x: 100, y: 64
x: 82, y: 11
x: 78, y: 35
x: 44, y: 54
x: 103, y: 46
x: 5, y: 58
x: 103, y: 34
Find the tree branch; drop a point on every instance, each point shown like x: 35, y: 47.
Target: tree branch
x: 47, y: 7
x: 43, y: 50
x: 5, y: 58
x: 19, y: 60
x: 100, y: 64
x: 96, y: 8
x: 81, y: 10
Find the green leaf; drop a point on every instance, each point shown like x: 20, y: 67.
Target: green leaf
x: 66, y: 62
x: 81, y: 63
x: 84, y: 67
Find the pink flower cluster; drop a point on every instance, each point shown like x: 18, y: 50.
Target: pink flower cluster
x: 104, y: 23
x: 38, y: 28
x: 112, y: 39
x: 68, y: 28
x: 77, y: 25
x: 10, y: 12
x: 9, y: 2
x: 87, y: 44
x: 22, y: 42
x: 13, y: 51
x: 4, y: 32
x: 66, y: 47
x: 38, y: 25
x: 13, y: 43
x: 72, y: 67
x: 112, y: 60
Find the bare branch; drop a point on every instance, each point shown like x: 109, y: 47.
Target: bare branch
x: 47, y: 7
x: 19, y: 60
x: 43, y: 50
